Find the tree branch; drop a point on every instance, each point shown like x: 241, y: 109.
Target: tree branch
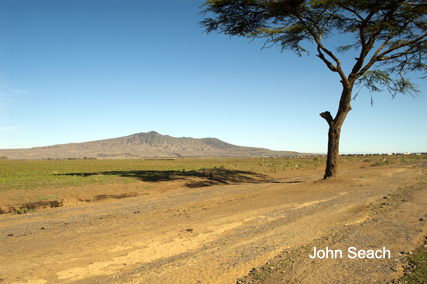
x: 327, y: 62
x: 327, y: 116
x: 352, y: 11
x: 414, y: 5
x: 365, y: 47
x: 380, y: 57
x: 368, y: 46
x: 396, y: 47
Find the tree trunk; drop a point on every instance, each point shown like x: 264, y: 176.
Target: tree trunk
x: 333, y: 152
x: 335, y: 132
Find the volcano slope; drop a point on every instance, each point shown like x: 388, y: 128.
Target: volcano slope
x: 220, y: 233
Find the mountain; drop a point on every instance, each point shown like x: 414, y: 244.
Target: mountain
x: 143, y: 145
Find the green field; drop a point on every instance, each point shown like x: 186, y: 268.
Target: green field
x: 33, y: 174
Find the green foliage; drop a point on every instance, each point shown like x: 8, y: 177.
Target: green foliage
x: 21, y: 210
x: 381, y: 163
x: 376, y: 80
x: 418, y: 262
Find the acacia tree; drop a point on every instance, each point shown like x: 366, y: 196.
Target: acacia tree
x: 390, y: 40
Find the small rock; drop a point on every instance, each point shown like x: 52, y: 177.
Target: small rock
x: 385, y: 197
x: 421, y: 219
x: 42, y: 228
x: 10, y: 235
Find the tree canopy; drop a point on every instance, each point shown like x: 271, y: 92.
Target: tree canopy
x: 392, y: 33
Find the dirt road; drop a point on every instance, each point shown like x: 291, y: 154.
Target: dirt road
x: 218, y: 234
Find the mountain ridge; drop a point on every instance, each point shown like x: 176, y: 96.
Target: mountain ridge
x: 143, y: 145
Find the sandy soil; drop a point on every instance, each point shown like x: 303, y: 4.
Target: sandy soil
x: 170, y: 233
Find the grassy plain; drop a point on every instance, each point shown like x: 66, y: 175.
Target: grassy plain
x: 35, y: 174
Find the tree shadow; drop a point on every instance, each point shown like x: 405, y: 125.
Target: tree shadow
x: 116, y: 196
x: 209, y: 176
x: 294, y: 181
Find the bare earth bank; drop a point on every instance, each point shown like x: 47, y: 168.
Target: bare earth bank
x: 218, y: 234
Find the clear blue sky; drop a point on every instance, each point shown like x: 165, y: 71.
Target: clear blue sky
x: 78, y: 70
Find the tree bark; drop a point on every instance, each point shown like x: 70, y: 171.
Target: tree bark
x: 333, y: 152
